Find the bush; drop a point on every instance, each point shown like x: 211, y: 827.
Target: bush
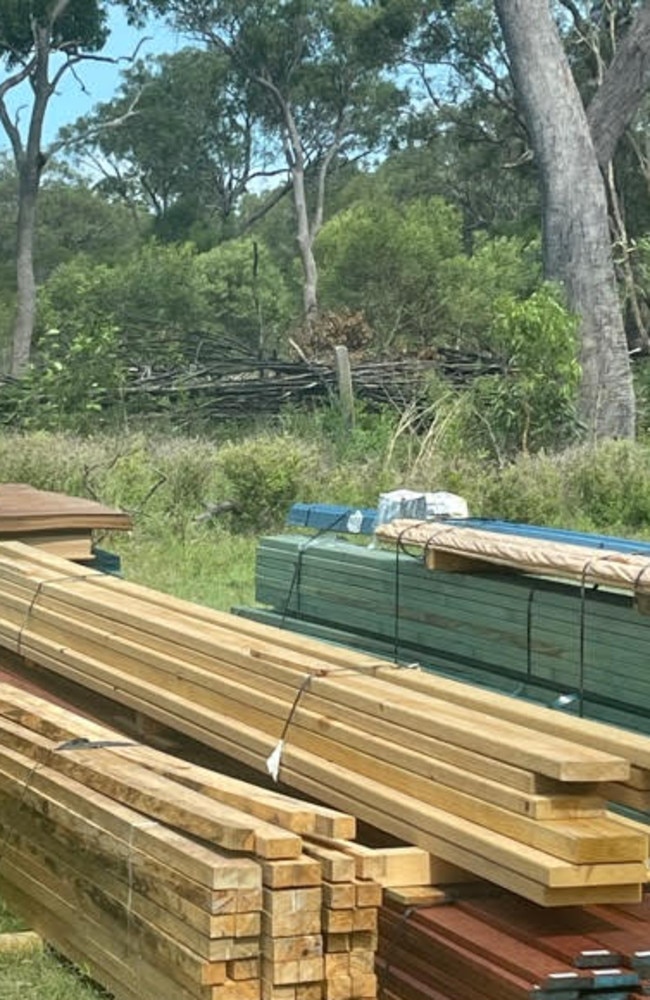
x: 264, y: 476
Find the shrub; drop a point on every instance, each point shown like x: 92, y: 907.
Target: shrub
x: 264, y: 476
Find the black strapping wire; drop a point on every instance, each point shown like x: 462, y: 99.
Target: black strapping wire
x: 297, y: 568
x: 304, y: 684
x: 637, y: 580
x: 529, y: 634
x: 37, y: 593
x: 400, y: 549
x: 609, y: 556
x: 583, y: 630
x: 393, y: 942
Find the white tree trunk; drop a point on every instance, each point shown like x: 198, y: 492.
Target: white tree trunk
x: 305, y: 245
x: 624, y: 86
x: 24, y: 321
x: 576, y: 238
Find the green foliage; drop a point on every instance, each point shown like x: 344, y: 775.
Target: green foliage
x: 390, y: 261
x: 604, y: 489
x: 533, y: 406
x: 265, y: 476
x: 74, y: 220
x: 612, y: 483
x: 81, y: 22
x: 243, y: 295
x: 185, y: 147
x: 404, y: 265
x: 76, y: 370
x: 163, y: 296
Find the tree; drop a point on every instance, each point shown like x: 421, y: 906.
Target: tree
x: 190, y: 150
x: 576, y: 235
x: 316, y: 71
x: 403, y: 266
x: 40, y: 41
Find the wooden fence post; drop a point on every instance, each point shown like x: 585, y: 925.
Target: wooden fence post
x: 344, y: 381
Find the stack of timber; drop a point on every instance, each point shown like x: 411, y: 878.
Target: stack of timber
x: 524, y: 809
x: 167, y: 879
x: 507, y: 949
x: 56, y: 523
x: 448, y: 547
x: 497, y: 627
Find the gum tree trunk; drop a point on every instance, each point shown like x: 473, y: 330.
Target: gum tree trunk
x: 576, y: 237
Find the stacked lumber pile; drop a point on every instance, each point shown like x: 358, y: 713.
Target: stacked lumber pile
x: 506, y: 949
x: 56, y: 523
x: 524, y: 809
x: 495, y: 627
x: 451, y: 548
x: 166, y: 879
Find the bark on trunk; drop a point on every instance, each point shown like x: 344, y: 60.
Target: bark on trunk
x: 306, y: 247
x: 23, y: 328
x: 576, y: 239
x: 624, y: 85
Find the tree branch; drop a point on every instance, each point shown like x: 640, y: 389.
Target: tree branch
x: 78, y: 140
x: 624, y: 85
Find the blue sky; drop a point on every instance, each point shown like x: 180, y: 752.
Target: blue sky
x: 99, y: 81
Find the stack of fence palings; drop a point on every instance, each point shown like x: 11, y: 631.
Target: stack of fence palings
x: 521, y: 808
x: 162, y: 878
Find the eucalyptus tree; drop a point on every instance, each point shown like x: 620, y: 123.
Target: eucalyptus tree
x: 571, y: 145
x: 40, y: 42
x: 317, y: 73
x: 573, y: 74
x: 190, y: 150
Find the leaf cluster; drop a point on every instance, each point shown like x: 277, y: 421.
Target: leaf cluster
x: 81, y: 25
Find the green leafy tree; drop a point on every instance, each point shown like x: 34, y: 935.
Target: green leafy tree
x: 167, y: 304
x: 533, y: 406
x: 316, y: 70
x: 40, y: 42
x: 404, y: 265
x: 187, y: 146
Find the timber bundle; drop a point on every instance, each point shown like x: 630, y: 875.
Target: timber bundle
x: 521, y: 804
x: 503, y: 948
x: 54, y: 522
x: 165, y: 879
x: 554, y: 641
x: 448, y: 547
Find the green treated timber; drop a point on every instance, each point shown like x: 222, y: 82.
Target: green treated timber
x: 538, y: 621
x: 543, y: 644
x: 497, y: 597
x: 548, y: 617
x: 608, y: 603
x: 354, y: 555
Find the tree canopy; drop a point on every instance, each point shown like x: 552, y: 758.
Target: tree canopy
x: 394, y: 160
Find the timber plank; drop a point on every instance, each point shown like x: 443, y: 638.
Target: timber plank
x: 153, y: 795
x: 561, y: 760
x: 447, y: 849
x: 57, y: 724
